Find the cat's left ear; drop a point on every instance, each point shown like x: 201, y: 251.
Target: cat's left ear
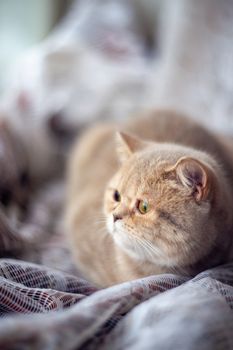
x: 195, y: 175
x: 126, y: 145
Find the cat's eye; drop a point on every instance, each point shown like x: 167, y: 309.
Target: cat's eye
x: 143, y: 206
x: 116, y: 196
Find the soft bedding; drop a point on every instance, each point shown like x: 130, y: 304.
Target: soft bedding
x: 62, y: 311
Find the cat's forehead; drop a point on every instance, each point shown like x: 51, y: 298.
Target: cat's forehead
x: 146, y: 163
x: 141, y: 172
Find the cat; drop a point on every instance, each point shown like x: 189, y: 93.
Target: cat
x: 155, y: 198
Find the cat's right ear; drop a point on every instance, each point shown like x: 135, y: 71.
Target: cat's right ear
x: 195, y: 175
x: 126, y: 145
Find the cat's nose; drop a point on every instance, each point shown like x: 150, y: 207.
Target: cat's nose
x: 116, y: 217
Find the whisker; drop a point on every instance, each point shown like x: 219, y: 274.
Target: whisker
x: 146, y: 246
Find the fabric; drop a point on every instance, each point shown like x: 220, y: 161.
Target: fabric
x: 156, y: 312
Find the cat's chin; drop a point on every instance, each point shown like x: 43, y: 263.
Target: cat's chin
x: 127, y: 246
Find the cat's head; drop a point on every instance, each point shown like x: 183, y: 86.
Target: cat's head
x: 159, y: 204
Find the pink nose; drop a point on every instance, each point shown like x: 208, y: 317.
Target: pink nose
x: 116, y: 217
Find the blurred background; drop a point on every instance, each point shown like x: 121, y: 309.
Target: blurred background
x: 67, y: 64
x: 23, y: 24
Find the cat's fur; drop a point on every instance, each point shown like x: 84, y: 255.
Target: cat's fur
x: 183, y: 171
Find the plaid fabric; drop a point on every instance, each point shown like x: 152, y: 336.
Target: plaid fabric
x: 157, y: 312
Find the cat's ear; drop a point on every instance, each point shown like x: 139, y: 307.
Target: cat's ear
x: 195, y: 175
x: 126, y: 145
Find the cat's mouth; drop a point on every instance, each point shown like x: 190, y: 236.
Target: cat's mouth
x: 136, y: 247
x: 131, y: 244
x: 115, y: 228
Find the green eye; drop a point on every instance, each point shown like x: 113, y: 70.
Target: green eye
x: 143, y: 207
x: 116, y: 196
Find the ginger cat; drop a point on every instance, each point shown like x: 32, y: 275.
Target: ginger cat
x: 160, y: 201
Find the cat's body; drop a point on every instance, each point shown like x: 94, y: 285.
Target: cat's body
x: 204, y: 214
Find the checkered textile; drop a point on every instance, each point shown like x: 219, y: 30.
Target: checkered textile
x: 59, y: 311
